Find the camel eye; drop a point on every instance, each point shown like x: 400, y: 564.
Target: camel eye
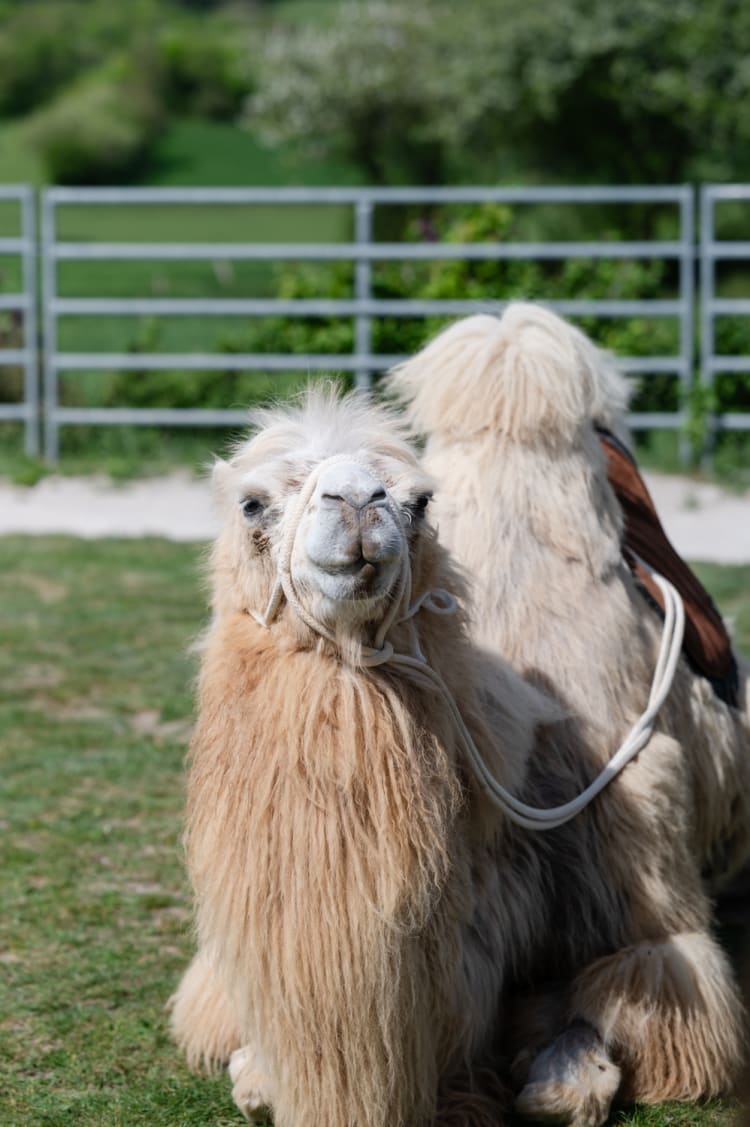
x: 418, y: 507
x: 252, y: 507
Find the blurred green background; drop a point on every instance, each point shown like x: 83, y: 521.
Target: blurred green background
x: 95, y: 700
x: 349, y: 92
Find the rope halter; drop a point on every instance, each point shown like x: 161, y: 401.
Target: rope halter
x: 401, y: 609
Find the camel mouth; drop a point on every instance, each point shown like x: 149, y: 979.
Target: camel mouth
x: 362, y: 571
x: 360, y: 581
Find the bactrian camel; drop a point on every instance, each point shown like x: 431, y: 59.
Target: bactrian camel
x: 510, y: 407
x: 375, y: 936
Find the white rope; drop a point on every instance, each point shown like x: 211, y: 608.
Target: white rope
x: 438, y: 601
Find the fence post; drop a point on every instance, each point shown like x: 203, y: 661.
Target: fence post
x: 363, y: 289
x: 687, y: 319
x: 707, y: 284
x: 49, y: 287
x: 30, y: 328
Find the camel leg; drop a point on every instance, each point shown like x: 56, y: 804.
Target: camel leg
x: 202, y: 1021
x: 670, y: 1014
x: 656, y: 1021
x: 250, y: 1087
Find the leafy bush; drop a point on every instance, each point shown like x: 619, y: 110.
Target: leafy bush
x: 42, y: 46
x: 164, y: 58
x: 497, y: 90
x: 99, y: 129
x: 11, y: 337
x: 201, y: 68
x: 365, y: 88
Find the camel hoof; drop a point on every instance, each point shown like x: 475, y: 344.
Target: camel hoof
x: 249, y: 1090
x: 573, y: 1081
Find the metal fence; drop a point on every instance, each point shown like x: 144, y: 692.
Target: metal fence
x: 19, y: 251
x: 363, y: 306
x: 724, y: 347
x: 715, y: 251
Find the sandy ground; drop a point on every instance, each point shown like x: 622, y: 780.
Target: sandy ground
x: 703, y: 521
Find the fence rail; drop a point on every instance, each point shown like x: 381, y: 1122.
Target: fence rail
x: 62, y: 247
x: 23, y: 249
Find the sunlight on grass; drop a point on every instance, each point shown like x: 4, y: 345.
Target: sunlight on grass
x: 95, y: 713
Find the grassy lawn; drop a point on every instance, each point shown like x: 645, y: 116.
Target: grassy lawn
x: 95, y: 713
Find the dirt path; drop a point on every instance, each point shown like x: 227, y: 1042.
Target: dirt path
x: 703, y: 521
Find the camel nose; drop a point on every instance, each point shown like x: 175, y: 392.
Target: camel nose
x: 352, y: 484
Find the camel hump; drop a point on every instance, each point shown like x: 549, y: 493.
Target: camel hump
x: 707, y: 645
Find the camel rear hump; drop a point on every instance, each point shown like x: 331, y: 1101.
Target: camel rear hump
x: 528, y: 375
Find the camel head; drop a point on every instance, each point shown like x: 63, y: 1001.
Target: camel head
x: 323, y: 507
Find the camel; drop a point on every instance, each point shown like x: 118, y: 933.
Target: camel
x: 375, y: 936
x: 510, y: 407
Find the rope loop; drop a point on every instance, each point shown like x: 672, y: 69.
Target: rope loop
x: 437, y: 601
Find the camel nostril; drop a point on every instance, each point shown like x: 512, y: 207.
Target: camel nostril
x: 356, y: 498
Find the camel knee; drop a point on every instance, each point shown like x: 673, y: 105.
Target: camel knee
x: 203, y: 1021
x: 669, y: 1012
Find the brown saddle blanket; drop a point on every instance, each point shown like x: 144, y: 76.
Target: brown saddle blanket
x: 706, y: 644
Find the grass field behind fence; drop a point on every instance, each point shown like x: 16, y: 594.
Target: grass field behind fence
x: 95, y: 713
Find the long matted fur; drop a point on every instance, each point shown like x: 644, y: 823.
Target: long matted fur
x: 509, y: 406
x: 371, y: 933
x: 339, y: 861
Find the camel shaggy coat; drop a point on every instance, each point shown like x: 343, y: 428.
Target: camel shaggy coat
x: 371, y: 932
x: 509, y: 406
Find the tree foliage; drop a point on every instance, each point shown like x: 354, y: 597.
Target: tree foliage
x: 584, y: 89
x: 361, y: 88
x: 95, y: 81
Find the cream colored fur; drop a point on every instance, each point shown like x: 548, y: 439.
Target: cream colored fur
x: 508, y: 407
x: 355, y: 925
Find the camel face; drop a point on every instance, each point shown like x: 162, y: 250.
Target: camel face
x: 350, y: 540
x: 336, y: 512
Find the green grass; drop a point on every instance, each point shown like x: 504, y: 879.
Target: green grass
x: 19, y: 164
x: 95, y: 712
x: 196, y: 152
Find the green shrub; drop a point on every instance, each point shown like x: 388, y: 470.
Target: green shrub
x: 41, y: 48
x: 201, y: 69
x: 99, y: 129
x: 495, y: 90
x: 11, y: 337
x: 366, y: 88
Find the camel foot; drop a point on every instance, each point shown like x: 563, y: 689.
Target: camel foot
x: 572, y: 1081
x: 249, y: 1087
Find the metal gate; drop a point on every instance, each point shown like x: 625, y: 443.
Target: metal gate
x: 20, y: 251
x: 715, y: 309
x: 362, y: 306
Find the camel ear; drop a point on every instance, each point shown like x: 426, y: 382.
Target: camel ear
x: 221, y: 473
